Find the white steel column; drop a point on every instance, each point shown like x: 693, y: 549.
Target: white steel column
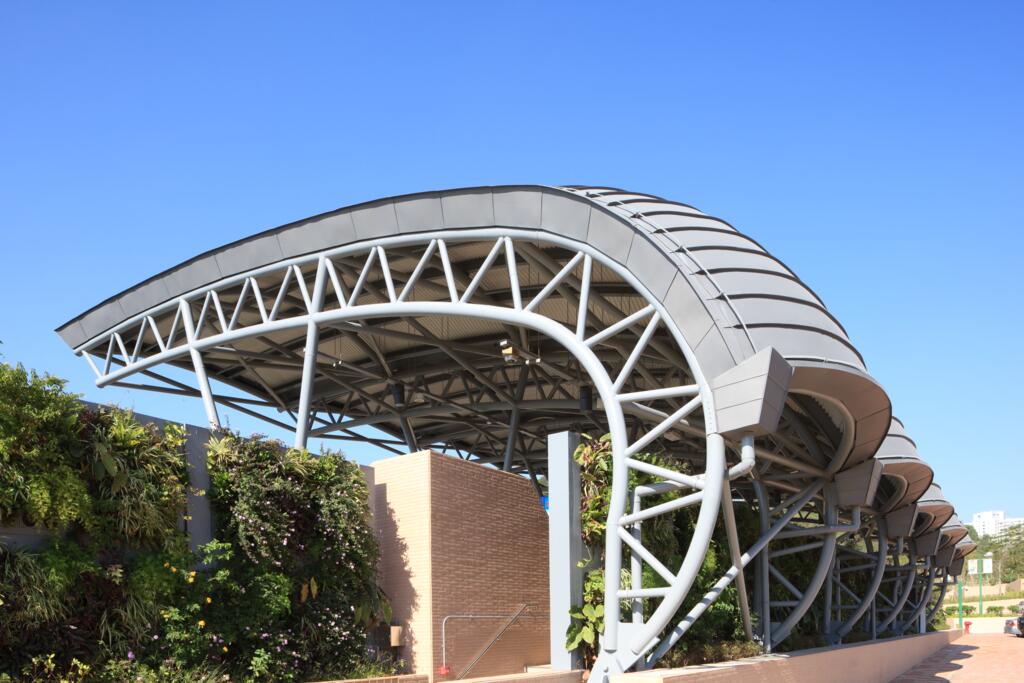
x: 197, y: 363
x: 565, y: 543
x: 302, y: 418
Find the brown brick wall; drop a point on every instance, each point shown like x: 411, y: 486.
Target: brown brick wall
x: 490, y: 555
x: 462, y: 539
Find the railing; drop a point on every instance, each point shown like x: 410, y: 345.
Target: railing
x: 510, y: 620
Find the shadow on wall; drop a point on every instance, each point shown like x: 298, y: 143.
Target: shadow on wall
x: 395, y: 572
x: 487, y: 638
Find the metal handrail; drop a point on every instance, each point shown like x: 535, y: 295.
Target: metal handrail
x: 497, y: 636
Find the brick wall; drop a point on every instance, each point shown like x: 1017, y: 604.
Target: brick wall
x: 462, y: 539
x: 401, y: 515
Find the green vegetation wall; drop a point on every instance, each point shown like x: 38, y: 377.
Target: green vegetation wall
x: 287, y: 592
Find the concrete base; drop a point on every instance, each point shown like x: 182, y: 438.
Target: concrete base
x: 875, y: 662
x: 533, y: 677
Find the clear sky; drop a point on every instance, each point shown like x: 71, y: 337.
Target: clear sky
x: 876, y: 149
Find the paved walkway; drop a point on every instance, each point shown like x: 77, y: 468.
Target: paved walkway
x: 983, y: 658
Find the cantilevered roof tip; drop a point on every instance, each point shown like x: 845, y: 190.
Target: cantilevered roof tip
x: 934, y: 510
x: 906, y: 476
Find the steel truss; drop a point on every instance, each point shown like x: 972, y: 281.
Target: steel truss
x: 360, y: 336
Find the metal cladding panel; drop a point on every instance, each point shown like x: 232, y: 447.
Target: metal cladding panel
x: 768, y: 285
x: 935, y: 504
x: 953, y: 532
x: 901, y: 522
x: 750, y: 397
x: 648, y: 235
x: 318, y: 234
x: 965, y: 547
x: 253, y: 253
x: 757, y: 311
x: 103, y: 317
x: 928, y: 544
x: 468, y: 209
x: 565, y: 214
x: 606, y: 235
x: 899, y: 458
x: 722, y: 260
x: 945, y: 556
x: 645, y: 257
x: 193, y: 274
x: 416, y: 214
x: 856, y: 486
x: 517, y: 208
x: 379, y: 220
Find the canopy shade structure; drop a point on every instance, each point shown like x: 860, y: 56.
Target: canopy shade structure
x: 934, y: 510
x: 481, y: 321
x: 953, y: 531
x: 728, y: 297
x: 906, y: 476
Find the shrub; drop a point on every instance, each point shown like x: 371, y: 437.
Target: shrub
x: 294, y: 590
x: 288, y: 592
x: 994, y: 610
x: 951, y: 611
x: 39, y: 449
x: 969, y: 609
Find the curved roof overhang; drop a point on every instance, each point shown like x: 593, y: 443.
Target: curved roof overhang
x: 953, y: 531
x: 727, y: 295
x: 934, y: 510
x: 906, y: 476
x: 965, y: 546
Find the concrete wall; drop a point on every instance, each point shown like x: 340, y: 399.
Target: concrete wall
x: 877, y: 662
x: 461, y: 540
x: 971, y: 590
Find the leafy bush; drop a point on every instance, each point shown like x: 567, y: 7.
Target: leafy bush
x: 287, y: 594
x: 994, y: 610
x: 39, y: 450
x: 951, y: 611
x: 112, y: 492
x: 294, y: 591
x: 969, y: 610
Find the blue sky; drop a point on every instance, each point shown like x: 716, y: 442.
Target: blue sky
x: 876, y: 149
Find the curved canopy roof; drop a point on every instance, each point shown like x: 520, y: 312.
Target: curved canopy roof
x: 953, y: 531
x: 728, y: 296
x: 906, y: 476
x: 934, y: 510
x: 965, y: 546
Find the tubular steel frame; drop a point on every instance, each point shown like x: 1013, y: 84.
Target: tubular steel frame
x: 794, y: 495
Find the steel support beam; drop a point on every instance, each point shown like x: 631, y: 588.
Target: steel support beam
x: 565, y: 544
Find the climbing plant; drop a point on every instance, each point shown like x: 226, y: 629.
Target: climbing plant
x: 718, y: 634
x: 286, y: 593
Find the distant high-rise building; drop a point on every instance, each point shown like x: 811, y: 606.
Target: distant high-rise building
x: 994, y: 522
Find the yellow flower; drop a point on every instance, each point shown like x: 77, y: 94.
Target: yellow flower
x: 202, y: 623
x: 225, y: 648
x: 174, y: 569
x: 166, y: 565
x: 208, y: 600
x: 191, y: 579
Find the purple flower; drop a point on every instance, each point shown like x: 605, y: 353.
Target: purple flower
x: 131, y: 656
